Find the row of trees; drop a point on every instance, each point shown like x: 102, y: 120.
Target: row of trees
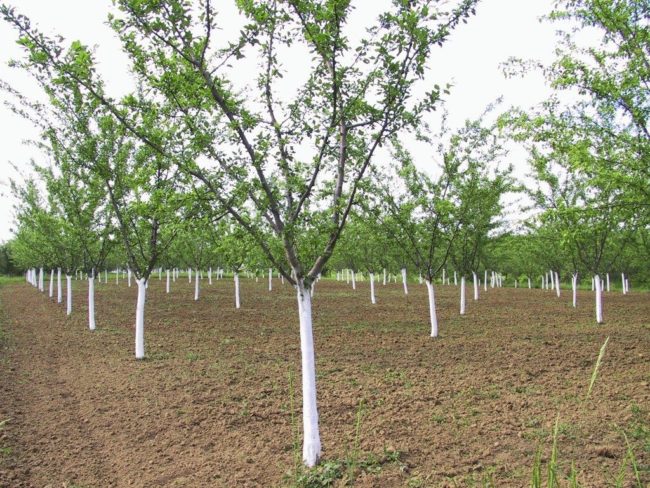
x: 191, y: 169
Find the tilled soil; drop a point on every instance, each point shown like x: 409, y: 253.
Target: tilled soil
x: 217, y: 401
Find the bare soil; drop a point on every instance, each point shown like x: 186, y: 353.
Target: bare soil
x: 217, y: 401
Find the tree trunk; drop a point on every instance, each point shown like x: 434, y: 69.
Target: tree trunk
x: 354, y: 280
x: 622, y: 284
x: 432, y: 309
x: 236, y: 278
x: 167, y: 283
x: 406, y: 290
x: 475, y: 285
x: 68, y: 282
x: 40, y: 280
x: 139, y: 318
x: 189, y: 274
x: 462, y: 294
x: 485, y: 285
x: 91, y: 301
x: 599, y: 300
x: 311, y: 449
x: 557, y: 284
x: 59, y: 289
x: 455, y: 279
x: 196, y: 285
x: 574, y: 289
x: 607, y: 280
x: 128, y: 276
x: 443, y: 276
x: 270, y: 279
x: 529, y: 283
x: 52, y: 284
x: 372, y: 288
x: 384, y: 277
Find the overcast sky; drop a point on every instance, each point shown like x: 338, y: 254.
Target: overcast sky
x: 469, y: 60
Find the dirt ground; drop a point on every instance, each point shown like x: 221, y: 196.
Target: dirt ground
x: 217, y: 401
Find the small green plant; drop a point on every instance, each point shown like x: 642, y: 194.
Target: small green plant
x: 596, y: 368
x: 193, y: 356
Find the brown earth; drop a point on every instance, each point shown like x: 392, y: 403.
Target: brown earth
x: 212, y: 403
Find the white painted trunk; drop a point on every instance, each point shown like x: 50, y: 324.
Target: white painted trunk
x: 516, y: 283
x: 599, y: 300
x: 529, y: 284
x: 485, y: 285
x: 372, y: 288
x: 59, y: 288
x: 462, y: 294
x: 210, y: 276
x: 68, y: 282
x: 128, y: 276
x: 282, y: 279
x: 105, y: 276
x: 159, y: 274
x: 384, y: 277
x: 139, y: 318
x: 347, y: 276
x: 432, y: 310
x: 197, y: 280
x: 354, y: 280
x: 593, y: 284
x: 475, y: 285
x: 51, y: 283
x: 311, y: 449
x: 557, y: 284
x: 420, y: 278
x: 189, y: 274
x: 607, y: 281
x: 41, y: 287
x: 236, y: 277
x: 455, y: 279
x: 167, y: 283
x: 627, y: 285
x: 574, y: 289
x: 623, y: 287
x: 270, y: 279
x: 552, y: 281
x: 91, y: 302
x: 406, y: 290
x: 117, y: 276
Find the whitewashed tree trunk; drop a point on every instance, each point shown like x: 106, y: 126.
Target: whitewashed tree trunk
x: 41, y: 286
x: 128, y: 276
x: 516, y: 283
x: 59, y: 288
x: 68, y: 282
x: 281, y: 278
x: 455, y: 279
x: 384, y: 277
x: 475, y: 285
x: 627, y: 285
x: 372, y: 288
x: 593, y: 284
x: 311, y: 449
x: 607, y: 281
x: 189, y: 274
x: 574, y: 289
x: 557, y: 284
x: 354, y: 280
x: 529, y: 283
x: 167, y: 283
x: 139, y: 318
x: 236, y: 278
x: 622, y: 284
x: 462, y: 294
x: 51, y: 283
x: 420, y: 278
x: 197, y: 281
x: 117, y: 276
x: 105, y: 276
x: 270, y: 279
x: 432, y: 309
x: 599, y: 300
x: 159, y: 273
x: 485, y: 285
x: 91, y: 301
x: 406, y: 290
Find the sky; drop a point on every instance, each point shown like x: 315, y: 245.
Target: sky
x: 470, y: 60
